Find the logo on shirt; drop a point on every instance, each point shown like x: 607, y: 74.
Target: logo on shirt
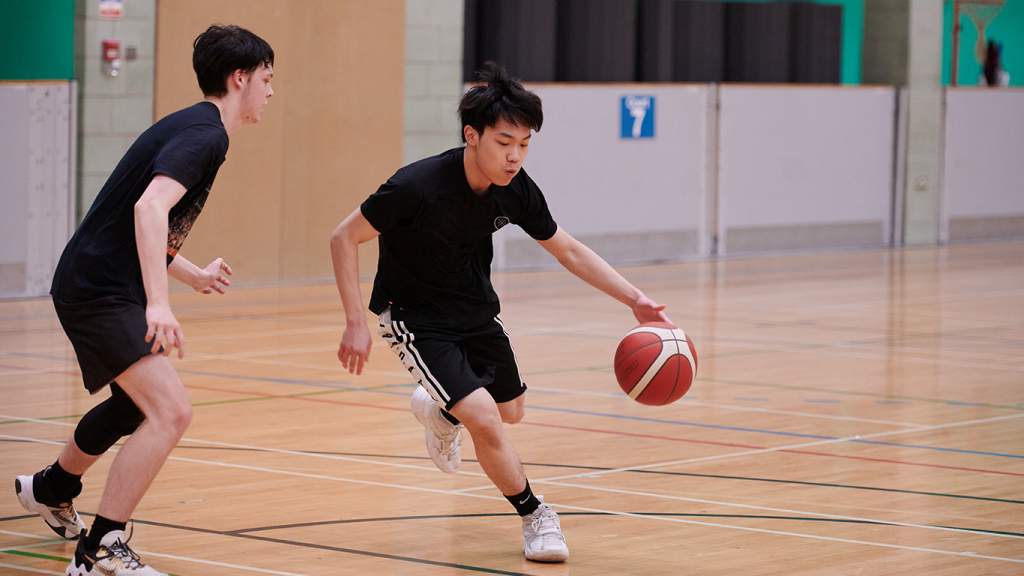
x: 500, y: 221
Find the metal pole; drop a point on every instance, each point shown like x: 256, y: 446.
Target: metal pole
x: 956, y: 44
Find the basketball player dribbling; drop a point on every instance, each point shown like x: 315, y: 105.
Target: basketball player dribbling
x: 433, y: 294
x: 111, y: 296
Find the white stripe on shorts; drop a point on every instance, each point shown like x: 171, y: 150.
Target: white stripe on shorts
x: 400, y: 340
x: 519, y: 371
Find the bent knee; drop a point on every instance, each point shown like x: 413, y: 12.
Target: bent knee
x: 183, y: 418
x: 175, y: 419
x: 513, y: 416
x: 513, y: 411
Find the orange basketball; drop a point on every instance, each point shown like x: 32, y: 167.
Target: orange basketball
x: 655, y: 363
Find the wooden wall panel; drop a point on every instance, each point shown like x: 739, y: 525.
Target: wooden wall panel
x: 330, y: 135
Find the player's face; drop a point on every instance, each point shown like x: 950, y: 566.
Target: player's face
x: 500, y: 150
x: 256, y: 93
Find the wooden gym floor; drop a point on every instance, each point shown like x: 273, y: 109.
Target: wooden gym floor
x: 857, y: 413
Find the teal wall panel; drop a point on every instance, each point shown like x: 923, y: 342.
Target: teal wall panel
x: 1007, y: 28
x: 37, y: 39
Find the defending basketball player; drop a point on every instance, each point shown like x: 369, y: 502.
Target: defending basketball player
x: 111, y: 296
x: 438, y: 312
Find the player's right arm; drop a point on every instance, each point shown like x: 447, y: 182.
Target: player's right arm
x: 345, y: 240
x: 151, y: 213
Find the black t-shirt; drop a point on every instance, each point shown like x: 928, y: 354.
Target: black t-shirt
x: 435, y: 240
x: 102, y: 258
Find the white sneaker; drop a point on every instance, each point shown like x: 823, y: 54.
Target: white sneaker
x: 113, y: 558
x: 61, y: 518
x: 443, y: 439
x: 543, y: 540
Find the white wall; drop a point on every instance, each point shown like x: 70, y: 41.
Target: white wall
x: 772, y: 169
x: 631, y: 200
x: 804, y: 168
x: 983, y: 196
x: 36, y: 187
x: 433, y: 77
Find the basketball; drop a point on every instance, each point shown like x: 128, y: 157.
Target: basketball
x: 655, y: 363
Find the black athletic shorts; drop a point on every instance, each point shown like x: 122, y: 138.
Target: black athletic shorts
x: 108, y: 334
x: 452, y: 363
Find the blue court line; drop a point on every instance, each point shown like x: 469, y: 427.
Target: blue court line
x: 822, y: 401
x: 936, y: 448
x: 43, y: 356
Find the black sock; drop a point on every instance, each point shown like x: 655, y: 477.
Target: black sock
x: 64, y: 485
x: 525, y: 502
x: 101, y: 527
x: 449, y: 417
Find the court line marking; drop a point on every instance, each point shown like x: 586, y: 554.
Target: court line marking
x: 854, y: 393
x: 27, y: 569
x: 243, y: 446
x: 48, y: 541
x: 784, y: 510
x: 148, y: 553
x: 334, y: 369
x: 855, y: 439
x: 802, y: 452
x: 685, y: 402
x: 540, y: 389
x: 656, y: 517
x: 800, y: 535
x: 795, y: 446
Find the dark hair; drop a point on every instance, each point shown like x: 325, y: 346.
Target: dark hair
x: 500, y: 97
x: 221, y: 50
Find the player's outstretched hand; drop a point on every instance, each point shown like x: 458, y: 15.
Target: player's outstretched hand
x: 354, y: 350
x: 211, y: 279
x: 646, y: 310
x: 162, y: 329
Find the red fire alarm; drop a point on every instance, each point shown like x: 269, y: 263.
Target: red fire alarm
x: 111, y: 57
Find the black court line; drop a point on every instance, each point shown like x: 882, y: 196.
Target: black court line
x: 247, y: 533
x: 238, y: 534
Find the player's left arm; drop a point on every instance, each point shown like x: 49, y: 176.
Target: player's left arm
x: 592, y: 269
x: 205, y: 280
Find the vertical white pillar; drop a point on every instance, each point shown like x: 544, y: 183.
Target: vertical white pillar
x: 921, y: 210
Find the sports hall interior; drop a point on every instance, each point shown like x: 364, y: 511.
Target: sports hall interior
x: 845, y: 250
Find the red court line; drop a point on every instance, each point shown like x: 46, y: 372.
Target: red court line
x: 765, y: 448
x: 615, y: 432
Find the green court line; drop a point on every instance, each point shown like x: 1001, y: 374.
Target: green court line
x: 34, y: 555
x: 44, y: 418
x: 45, y: 557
